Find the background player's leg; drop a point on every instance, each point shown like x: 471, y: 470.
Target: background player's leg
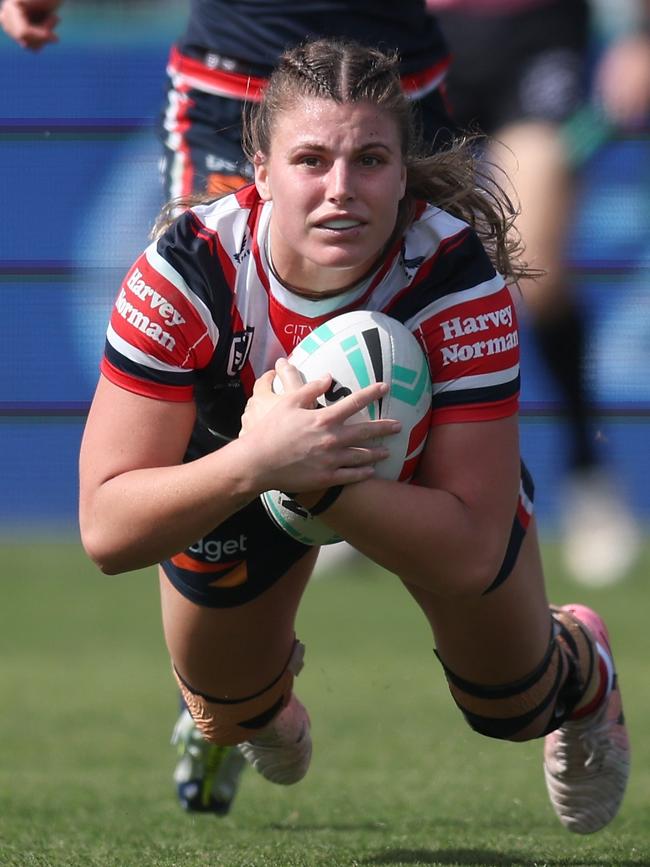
x: 601, y: 538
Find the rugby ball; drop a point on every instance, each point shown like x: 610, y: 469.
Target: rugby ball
x: 358, y: 349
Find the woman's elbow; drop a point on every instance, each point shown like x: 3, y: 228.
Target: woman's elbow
x: 101, y: 558
x: 98, y: 548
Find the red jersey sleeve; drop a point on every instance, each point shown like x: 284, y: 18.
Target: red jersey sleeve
x: 473, y: 350
x: 160, y: 332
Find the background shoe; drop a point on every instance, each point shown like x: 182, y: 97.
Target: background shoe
x: 587, y: 761
x: 282, y: 752
x: 206, y: 775
x: 602, y: 539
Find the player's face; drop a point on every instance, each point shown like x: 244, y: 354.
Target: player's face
x: 335, y: 175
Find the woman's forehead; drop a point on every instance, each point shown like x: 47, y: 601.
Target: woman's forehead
x: 315, y: 117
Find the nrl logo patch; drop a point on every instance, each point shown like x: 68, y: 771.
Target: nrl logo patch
x: 239, y: 350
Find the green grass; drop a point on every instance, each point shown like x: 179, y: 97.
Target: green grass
x: 397, y: 779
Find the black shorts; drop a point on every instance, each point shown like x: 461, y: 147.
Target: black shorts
x: 202, y: 144
x: 236, y: 562
x: 531, y: 65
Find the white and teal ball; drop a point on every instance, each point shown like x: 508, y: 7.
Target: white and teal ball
x: 358, y: 349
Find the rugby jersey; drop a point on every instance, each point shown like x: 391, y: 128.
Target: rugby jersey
x: 200, y: 315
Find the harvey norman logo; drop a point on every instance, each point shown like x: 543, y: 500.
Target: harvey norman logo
x: 454, y: 329
x: 135, y: 317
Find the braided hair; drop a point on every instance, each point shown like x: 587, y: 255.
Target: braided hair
x: 330, y: 69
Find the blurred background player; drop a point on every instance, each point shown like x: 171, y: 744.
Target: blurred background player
x: 219, y: 64
x: 524, y: 73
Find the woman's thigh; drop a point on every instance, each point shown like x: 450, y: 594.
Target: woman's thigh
x: 238, y: 650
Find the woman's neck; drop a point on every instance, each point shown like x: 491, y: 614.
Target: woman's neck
x: 318, y: 295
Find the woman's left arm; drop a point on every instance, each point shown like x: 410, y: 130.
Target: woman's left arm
x: 447, y: 532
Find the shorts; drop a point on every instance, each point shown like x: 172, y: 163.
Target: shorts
x: 201, y: 139
x: 236, y: 562
x: 531, y: 65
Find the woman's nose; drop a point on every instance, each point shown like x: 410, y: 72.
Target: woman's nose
x: 339, y: 183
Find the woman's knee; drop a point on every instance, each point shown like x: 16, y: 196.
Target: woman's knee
x: 539, y: 702
x: 226, y: 720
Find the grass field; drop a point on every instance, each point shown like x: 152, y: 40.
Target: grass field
x: 397, y: 779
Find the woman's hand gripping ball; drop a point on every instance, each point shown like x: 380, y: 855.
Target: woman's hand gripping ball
x: 304, y: 448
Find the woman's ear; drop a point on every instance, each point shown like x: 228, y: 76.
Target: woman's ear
x: 262, y: 177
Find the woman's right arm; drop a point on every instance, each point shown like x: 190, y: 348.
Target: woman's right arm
x: 140, y: 504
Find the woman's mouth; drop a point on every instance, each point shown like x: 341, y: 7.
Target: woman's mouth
x: 340, y: 224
